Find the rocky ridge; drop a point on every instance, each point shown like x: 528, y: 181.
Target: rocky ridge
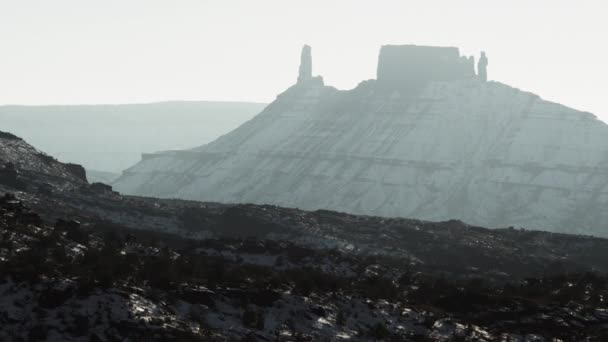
x: 24, y: 166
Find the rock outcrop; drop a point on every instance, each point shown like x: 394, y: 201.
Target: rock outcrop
x: 410, y: 67
x: 305, y: 71
x: 305, y: 78
x: 482, y: 67
x: 426, y: 140
x: 77, y: 170
x: 25, y: 165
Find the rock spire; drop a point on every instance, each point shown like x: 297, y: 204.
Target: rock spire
x: 305, y: 72
x: 482, y: 67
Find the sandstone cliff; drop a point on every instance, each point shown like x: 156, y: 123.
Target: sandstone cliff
x: 426, y: 140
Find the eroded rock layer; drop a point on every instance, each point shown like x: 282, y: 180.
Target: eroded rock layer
x: 457, y: 148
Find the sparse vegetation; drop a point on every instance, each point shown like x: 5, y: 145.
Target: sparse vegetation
x: 199, y: 275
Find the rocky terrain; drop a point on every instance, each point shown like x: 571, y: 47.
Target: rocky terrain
x: 92, y: 280
x: 24, y: 167
x: 427, y: 139
x: 81, y: 262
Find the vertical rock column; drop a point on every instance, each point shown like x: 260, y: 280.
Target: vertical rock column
x: 482, y: 67
x: 305, y: 72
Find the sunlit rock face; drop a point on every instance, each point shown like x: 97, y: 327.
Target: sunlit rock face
x: 436, y: 147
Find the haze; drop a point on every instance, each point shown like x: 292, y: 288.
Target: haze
x: 77, y: 52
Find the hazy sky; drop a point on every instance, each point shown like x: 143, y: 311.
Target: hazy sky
x: 125, y: 51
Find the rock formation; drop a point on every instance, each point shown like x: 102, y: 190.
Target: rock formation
x: 27, y: 166
x: 482, y: 67
x: 426, y: 140
x: 410, y: 67
x: 77, y: 170
x: 101, y: 188
x: 305, y: 71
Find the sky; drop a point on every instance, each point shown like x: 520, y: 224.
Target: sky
x: 133, y: 51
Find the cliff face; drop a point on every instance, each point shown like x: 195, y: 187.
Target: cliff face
x: 453, y: 148
x: 409, y: 68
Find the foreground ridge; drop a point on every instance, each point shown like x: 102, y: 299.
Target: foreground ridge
x: 92, y: 280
